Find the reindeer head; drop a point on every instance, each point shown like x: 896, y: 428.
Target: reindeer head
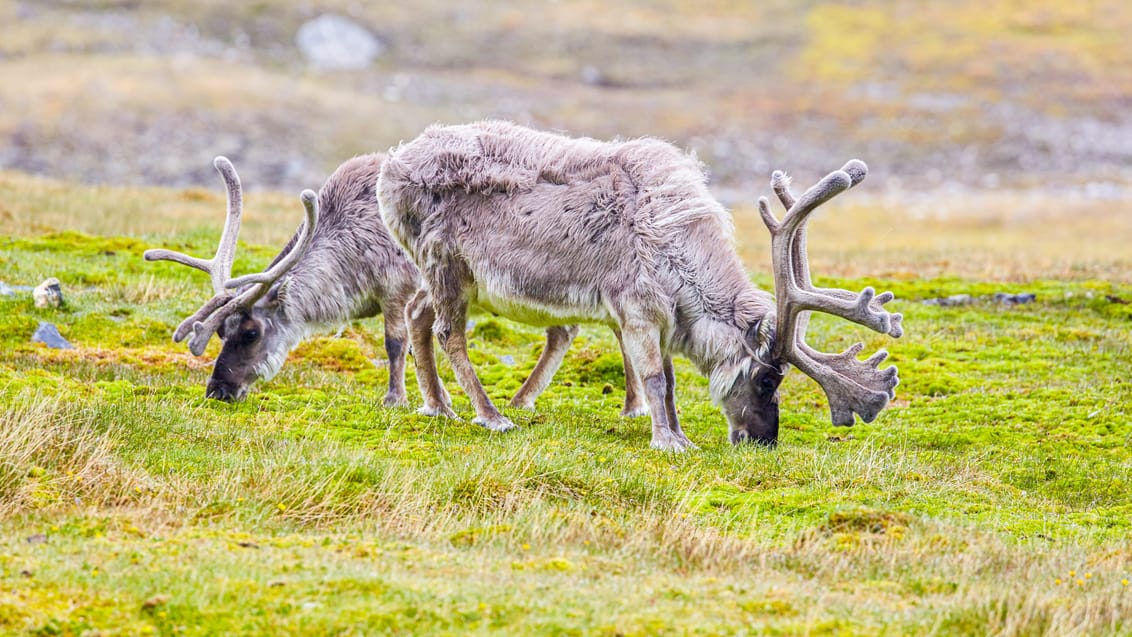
x: 852, y: 386
x: 248, y: 312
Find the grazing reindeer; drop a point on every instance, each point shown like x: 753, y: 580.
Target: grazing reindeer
x: 342, y: 264
x: 551, y: 230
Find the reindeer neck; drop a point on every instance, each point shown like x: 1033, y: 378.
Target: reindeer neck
x: 717, y: 303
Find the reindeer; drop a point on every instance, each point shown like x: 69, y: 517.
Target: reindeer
x: 553, y: 230
x: 340, y: 265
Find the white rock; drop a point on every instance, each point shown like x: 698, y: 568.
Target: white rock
x: 334, y: 42
x: 48, y: 294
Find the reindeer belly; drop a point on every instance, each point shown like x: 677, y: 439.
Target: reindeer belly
x: 544, y: 307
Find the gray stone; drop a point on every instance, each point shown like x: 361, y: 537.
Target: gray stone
x: 48, y: 294
x: 507, y: 359
x: 49, y: 335
x: 334, y: 42
x: 1015, y: 299
x: 592, y: 75
x: 950, y: 301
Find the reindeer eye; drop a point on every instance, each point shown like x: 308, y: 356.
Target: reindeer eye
x: 766, y: 384
x: 249, y: 337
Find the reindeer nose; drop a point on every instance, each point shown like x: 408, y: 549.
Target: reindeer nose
x: 743, y: 437
x: 222, y: 391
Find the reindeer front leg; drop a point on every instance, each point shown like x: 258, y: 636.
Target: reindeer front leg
x: 642, y: 346
x: 670, y: 402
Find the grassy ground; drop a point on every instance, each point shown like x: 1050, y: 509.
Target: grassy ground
x: 991, y: 498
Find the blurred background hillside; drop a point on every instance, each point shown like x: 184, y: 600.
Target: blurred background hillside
x: 965, y: 94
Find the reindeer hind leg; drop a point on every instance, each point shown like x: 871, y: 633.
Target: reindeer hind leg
x: 447, y: 287
x: 635, y: 404
x: 558, y: 341
x: 420, y: 317
x: 396, y: 342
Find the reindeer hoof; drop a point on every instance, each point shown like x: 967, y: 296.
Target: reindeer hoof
x: 518, y: 403
x: 443, y: 411
x: 672, y: 443
x: 395, y: 400
x: 498, y: 423
x: 635, y: 412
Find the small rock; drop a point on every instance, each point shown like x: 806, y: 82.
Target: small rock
x: 950, y: 301
x: 38, y: 538
x: 334, y: 42
x: 49, y: 335
x: 48, y: 294
x: 1014, y: 299
x: 507, y: 359
x: 6, y: 290
x: 592, y: 75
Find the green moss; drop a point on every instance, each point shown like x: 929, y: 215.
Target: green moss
x: 492, y: 331
x: 1007, y: 433
x: 594, y: 365
x: 332, y: 354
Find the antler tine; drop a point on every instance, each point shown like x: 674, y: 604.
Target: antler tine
x: 853, y: 386
x: 202, y: 331
x: 220, y: 307
x: 210, y: 306
x: 226, y: 251
x: 219, y: 267
x: 272, y: 274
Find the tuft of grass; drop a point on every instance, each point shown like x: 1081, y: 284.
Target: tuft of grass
x: 55, y: 457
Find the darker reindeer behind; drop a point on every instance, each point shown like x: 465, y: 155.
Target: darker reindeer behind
x: 340, y: 265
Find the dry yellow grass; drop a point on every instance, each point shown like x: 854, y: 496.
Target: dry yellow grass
x: 1009, y: 236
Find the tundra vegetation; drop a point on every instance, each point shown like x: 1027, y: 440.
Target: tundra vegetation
x: 991, y: 496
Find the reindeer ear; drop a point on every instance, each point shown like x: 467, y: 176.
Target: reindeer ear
x: 752, y: 335
x: 278, y: 294
x: 759, y: 335
x: 759, y: 339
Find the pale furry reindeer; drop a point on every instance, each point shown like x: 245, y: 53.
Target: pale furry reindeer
x: 341, y: 264
x: 552, y: 230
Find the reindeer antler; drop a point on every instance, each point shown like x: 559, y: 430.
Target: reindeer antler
x: 852, y: 385
x: 204, y: 322
x: 219, y: 267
